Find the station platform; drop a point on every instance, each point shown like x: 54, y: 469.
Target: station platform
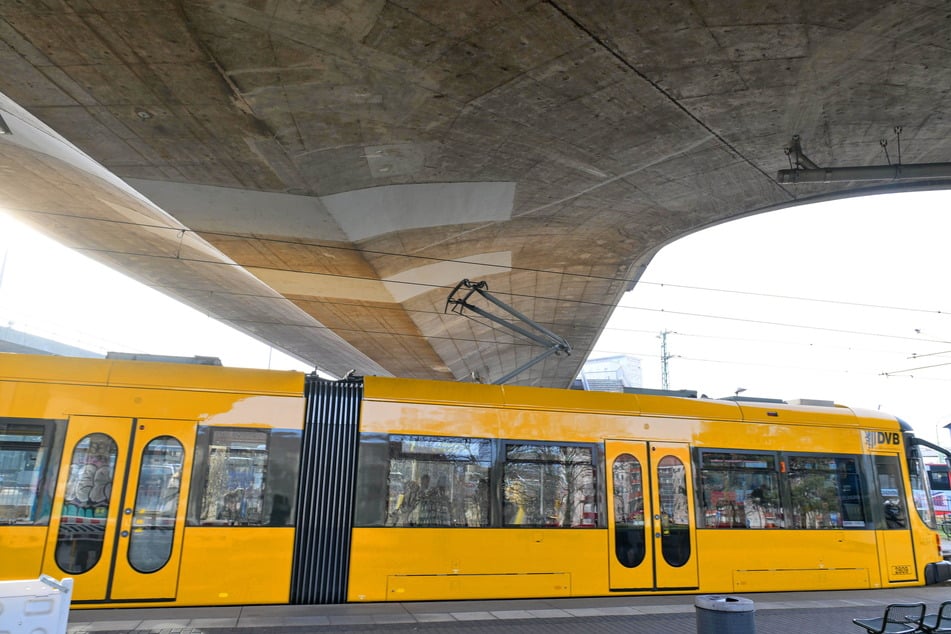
x: 828, y: 612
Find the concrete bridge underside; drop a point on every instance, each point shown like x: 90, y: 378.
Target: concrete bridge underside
x: 321, y: 174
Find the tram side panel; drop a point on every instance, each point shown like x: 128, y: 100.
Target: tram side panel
x: 468, y: 500
x: 150, y: 483
x: 239, y: 535
x: 773, y: 520
x: 772, y: 509
x: 31, y: 456
x: 222, y: 489
x: 482, y: 498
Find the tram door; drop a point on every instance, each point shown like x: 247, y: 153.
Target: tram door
x: 117, y: 523
x: 651, y: 515
x: 896, y: 542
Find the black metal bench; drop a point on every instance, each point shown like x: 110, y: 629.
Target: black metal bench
x: 899, y: 618
x: 939, y: 623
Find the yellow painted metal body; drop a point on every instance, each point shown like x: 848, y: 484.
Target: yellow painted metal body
x: 402, y: 564
x: 409, y: 564
x: 234, y: 565
x: 207, y: 565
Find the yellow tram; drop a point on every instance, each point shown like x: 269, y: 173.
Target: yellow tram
x: 180, y: 484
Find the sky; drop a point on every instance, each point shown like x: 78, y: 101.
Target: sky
x: 845, y: 301
x: 49, y: 290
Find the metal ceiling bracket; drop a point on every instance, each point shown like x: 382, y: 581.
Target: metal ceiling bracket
x: 803, y: 170
x: 798, y: 157
x: 914, y: 171
x: 535, y: 332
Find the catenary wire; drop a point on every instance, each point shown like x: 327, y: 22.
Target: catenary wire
x: 544, y: 298
x: 554, y: 299
x: 433, y: 259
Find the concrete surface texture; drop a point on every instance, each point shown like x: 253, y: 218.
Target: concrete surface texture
x: 828, y: 612
x: 322, y: 174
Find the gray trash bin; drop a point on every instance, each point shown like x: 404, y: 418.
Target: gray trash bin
x: 717, y: 614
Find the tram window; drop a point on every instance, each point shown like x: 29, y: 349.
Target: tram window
x: 938, y: 477
x: 628, y: 498
x: 924, y: 502
x: 852, y: 493
x: 27, y: 470
x: 891, y: 492
x: 674, y: 514
x: 375, y: 491
x: 88, y: 494
x: 740, y: 490
x: 283, y: 469
x: 549, y: 485
x: 428, y: 481
x: 156, y: 504
x: 244, y: 477
x: 825, y: 492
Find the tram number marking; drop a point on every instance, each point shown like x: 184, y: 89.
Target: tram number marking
x: 901, y: 570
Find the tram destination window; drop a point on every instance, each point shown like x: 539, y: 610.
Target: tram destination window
x: 423, y: 481
x: 740, y: 490
x: 825, y: 492
x: 549, y: 485
x: 28, y: 469
x: 244, y: 477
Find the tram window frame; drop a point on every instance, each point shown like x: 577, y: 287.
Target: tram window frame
x: 919, y: 480
x: 277, y: 496
x: 939, y: 477
x: 891, y: 501
x: 90, y: 475
x: 420, y: 481
x: 156, y: 503
x: 741, y: 465
x: 379, y: 491
x: 939, y: 484
x: 857, y: 516
x: 589, y: 516
x: 46, y: 463
x: 370, y: 506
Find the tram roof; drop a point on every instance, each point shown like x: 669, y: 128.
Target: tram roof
x: 545, y: 399
x: 148, y: 374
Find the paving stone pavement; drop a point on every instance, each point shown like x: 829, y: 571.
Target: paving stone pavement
x: 775, y: 613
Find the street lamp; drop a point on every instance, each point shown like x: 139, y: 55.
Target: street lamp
x: 739, y: 391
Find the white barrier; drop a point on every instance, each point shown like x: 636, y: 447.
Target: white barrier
x: 35, y: 606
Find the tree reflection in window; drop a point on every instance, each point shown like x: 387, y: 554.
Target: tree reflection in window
x: 549, y: 485
x: 674, y: 511
x: 825, y: 492
x: 628, y: 493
